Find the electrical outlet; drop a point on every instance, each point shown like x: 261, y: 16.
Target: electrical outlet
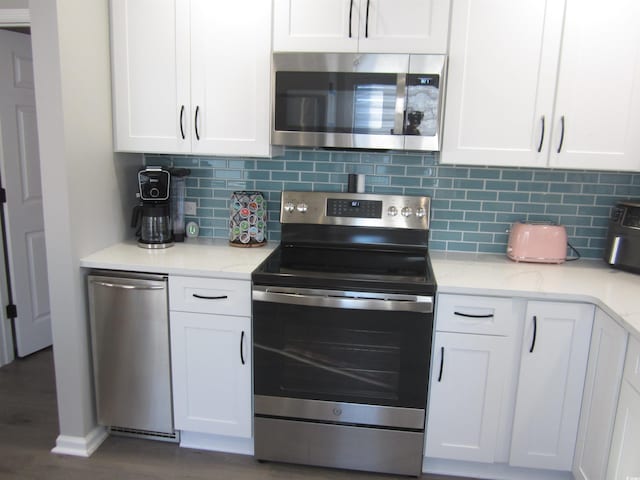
x: 190, y: 208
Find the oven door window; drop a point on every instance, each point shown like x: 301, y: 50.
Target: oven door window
x: 352, y: 103
x: 343, y: 355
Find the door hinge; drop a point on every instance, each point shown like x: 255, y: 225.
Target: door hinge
x: 3, y: 195
x: 12, y: 311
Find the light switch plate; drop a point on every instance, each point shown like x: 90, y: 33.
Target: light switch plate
x: 190, y: 208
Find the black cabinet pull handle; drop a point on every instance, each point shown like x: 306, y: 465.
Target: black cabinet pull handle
x: 561, y: 133
x: 535, y: 332
x: 471, y: 315
x: 241, y: 342
x: 205, y: 297
x: 196, y: 122
x: 366, y: 25
x: 181, y: 121
x: 541, y: 136
x: 441, y: 363
x: 350, y: 16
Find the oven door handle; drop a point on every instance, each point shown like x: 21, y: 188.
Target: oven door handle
x: 339, y: 299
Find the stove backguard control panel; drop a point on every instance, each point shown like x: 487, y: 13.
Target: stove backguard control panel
x: 355, y: 209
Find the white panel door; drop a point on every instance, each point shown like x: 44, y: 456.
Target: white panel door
x: 20, y: 174
x: 550, y: 385
x: 600, y: 399
x: 151, y: 84
x: 467, y: 380
x: 315, y: 26
x: 211, y: 373
x: 231, y: 58
x: 404, y: 26
x: 624, y: 462
x: 597, y: 116
x: 501, y: 81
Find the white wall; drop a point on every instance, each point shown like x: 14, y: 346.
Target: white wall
x: 87, y: 189
x: 14, y: 4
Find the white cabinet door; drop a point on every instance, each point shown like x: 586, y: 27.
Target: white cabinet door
x: 404, y: 26
x: 624, y: 462
x: 313, y: 26
x: 501, y: 79
x: 600, y: 399
x: 151, y: 78
x: 230, y: 73
x: 378, y: 26
x: 467, y: 380
x: 598, y: 98
x: 550, y: 385
x: 211, y: 373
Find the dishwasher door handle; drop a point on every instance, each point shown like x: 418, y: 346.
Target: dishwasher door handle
x: 128, y: 287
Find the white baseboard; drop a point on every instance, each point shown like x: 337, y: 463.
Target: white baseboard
x: 80, y: 446
x: 217, y: 443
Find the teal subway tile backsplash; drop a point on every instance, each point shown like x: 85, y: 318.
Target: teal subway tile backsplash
x: 472, y: 207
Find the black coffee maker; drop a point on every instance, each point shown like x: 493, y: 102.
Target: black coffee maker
x: 152, y: 218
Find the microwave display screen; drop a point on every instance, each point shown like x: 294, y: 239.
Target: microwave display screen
x: 335, y: 102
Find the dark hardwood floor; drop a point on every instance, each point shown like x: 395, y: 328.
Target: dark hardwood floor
x: 29, y: 426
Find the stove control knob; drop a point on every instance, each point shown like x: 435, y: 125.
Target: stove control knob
x: 421, y: 212
x: 406, y: 212
x: 302, y: 207
x: 289, y: 207
x: 392, y: 211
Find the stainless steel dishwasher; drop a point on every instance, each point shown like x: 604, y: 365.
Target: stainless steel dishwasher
x: 130, y: 347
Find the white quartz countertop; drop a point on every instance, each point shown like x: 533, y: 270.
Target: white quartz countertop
x: 593, y: 281
x: 195, y: 257
x: 615, y: 291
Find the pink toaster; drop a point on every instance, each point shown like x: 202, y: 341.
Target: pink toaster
x: 537, y: 242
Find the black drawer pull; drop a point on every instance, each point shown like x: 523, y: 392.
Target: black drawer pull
x: 241, y: 342
x: 471, y: 315
x: 535, y: 332
x: 441, y: 363
x: 204, y: 297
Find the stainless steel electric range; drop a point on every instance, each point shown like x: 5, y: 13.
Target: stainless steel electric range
x: 342, y: 327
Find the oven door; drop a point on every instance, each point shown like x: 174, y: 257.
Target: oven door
x: 351, y: 357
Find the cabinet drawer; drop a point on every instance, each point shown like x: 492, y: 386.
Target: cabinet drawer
x: 475, y: 314
x: 210, y: 295
x: 632, y: 363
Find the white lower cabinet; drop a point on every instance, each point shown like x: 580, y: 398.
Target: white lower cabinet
x: 624, y: 460
x: 506, y: 385
x: 550, y: 385
x: 211, y: 356
x: 468, y: 374
x: 471, y: 369
x: 600, y: 398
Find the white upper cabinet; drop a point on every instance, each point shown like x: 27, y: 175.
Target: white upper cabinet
x: 378, y: 26
x: 191, y: 76
x: 598, y: 96
x: 544, y: 83
x: 151, y: 76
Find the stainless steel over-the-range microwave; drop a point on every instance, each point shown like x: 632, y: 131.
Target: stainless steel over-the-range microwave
x: 350, y: 100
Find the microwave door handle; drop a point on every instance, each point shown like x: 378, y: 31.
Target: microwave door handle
x: 401, y: 95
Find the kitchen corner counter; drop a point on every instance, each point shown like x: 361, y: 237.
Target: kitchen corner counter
x: 194, y: 258
x: 615, y: 291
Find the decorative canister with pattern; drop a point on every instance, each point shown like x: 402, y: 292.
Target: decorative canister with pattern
x: 248, y: 219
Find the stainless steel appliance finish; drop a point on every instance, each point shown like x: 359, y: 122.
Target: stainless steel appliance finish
x: 342, y: 446
x: 342, y: 327
x: 350, y: 100
x: 129, y: 318
x: 623, y: 238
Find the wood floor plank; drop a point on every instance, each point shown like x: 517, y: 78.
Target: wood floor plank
x: 29, y: 427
